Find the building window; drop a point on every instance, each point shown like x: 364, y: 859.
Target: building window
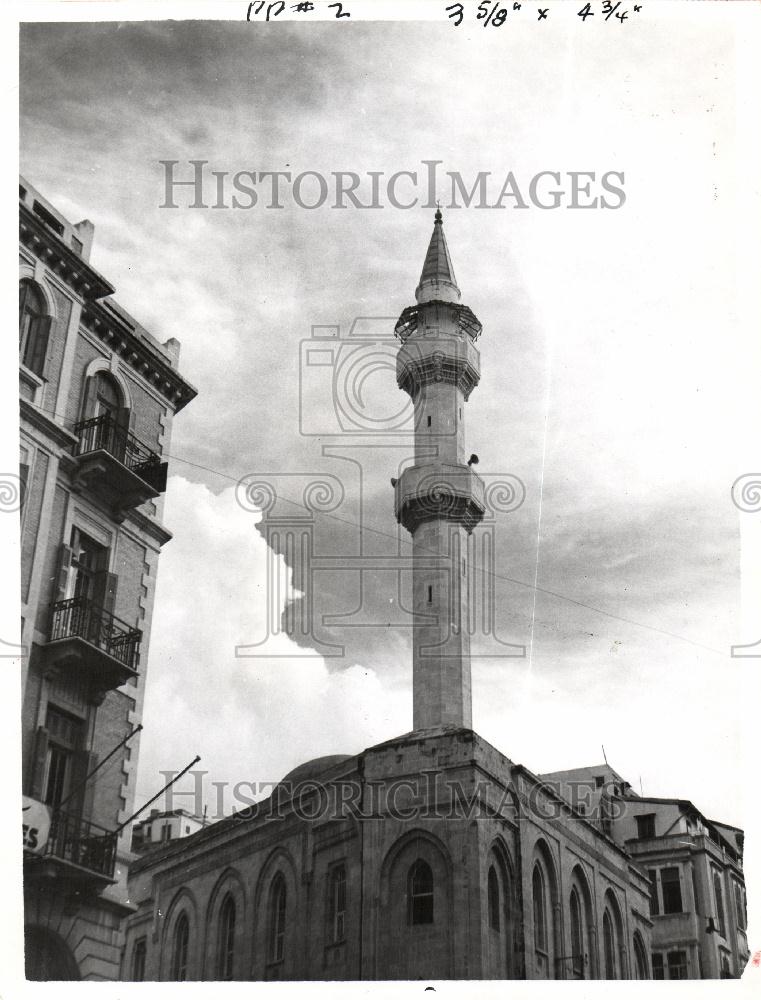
x: 226, y: 940
x: 645, y: 826
x: 653, y: 876
x: 430, y: 594
x: 640, y: 958
x: 180, y: 949
x: 719, y: 897
x: 609, y: 947
x: 493, y: 898
x: 277, y: 911
x: 429, y: 421
x: 420, y: 893
x: 671, y: 890
x: 540, y: 917
x: 138, y: 961
x: 677, y: 961
x: 599, y: 781
x: 65, y: 737
x: 577, y: 937
x: 740, y: 906
x: 657, y: 960
x: 34, y: 328
x: 337, y: 904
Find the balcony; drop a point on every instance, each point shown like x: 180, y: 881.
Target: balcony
x: 77, y: 851
x: 86, y: 636
x: 116, y: 465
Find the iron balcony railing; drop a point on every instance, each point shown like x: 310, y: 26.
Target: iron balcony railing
x: 103, y: 433
x: 80, y: 617
x: 81, y: 843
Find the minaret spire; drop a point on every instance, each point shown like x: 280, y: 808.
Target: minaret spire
x: 440, y: 498
x: 437, y: 280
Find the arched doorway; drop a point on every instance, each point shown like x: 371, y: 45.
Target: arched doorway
x: 48, y: 957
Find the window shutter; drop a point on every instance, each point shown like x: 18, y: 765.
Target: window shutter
x: 88, y: 398
x: 39, y: 760
x: 105, y: 590
x: 37, y: 344
x: 63, y: 574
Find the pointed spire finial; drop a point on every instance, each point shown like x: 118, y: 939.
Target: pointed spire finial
x: 437, y: 280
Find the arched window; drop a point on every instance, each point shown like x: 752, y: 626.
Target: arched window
x: 640, y: 958
x: 180, y: 949
x: 420, y: 893
x: 609, y: 946
x: 493, y: 898
x: 277, y: 911
x: 577, y: 937
x: 34, y: 328
x: 107, y: 402
x: 337, y: 904
x: 226, y: 939
x: 540, y: 911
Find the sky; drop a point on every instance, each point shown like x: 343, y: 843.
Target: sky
x: 616, y: 378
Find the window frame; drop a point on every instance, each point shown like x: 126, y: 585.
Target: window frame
x: 420, y: 898
x: 277, y: 910
x: 34, y: 335
x: 336, y: 923
x: 139, y: 954
x: 672, y: 884
x: 180, y: 949
x: 226, y: 939
x: 493, y: 899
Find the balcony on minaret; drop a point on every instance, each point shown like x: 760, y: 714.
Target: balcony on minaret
x: 115, y: 465
x: 439, y: 491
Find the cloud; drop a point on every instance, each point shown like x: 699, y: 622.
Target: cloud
x: 249, y: 719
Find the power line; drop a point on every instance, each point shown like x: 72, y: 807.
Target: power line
x: 494, y: 575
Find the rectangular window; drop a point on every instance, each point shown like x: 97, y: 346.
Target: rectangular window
x: 653, y: 876
x: 719, y: 898
x: 429, y: 421
x: 657, y: 965
x: 138, y: 961
x: 671, y: 890
x: 645, y: 826
x: 430, y: 594
x: 599, y: 781
x: 337, y: 904
x: 677, y: 964
x: 65, y: 734
x: 739, y: 906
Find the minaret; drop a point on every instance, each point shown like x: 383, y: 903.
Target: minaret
x: 439, y: 499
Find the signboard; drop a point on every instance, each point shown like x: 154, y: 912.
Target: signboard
x: 36, y: 823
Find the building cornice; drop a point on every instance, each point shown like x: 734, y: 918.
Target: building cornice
x: 60, y: 258
x: 117, y: 334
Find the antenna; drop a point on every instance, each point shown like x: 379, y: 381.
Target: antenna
x: 640, y: 786
x: 604, y: 757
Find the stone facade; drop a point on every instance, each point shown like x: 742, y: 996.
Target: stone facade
x: 98, y: 394
x: 431, y: 856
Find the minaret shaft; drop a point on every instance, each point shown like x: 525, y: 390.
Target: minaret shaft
x: 440, y: 499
